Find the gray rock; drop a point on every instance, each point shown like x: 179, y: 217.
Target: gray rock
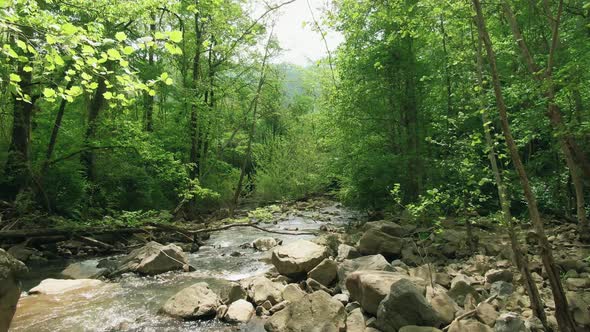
x: 325, y: 272
x: 194, y: 302
x: 21, y: 252
x: 577, y: 283
x: 313, y: 312
x: 347, y: 252
x: 405, y: 305
x: 498, y: 275
x: 442, y: 303
x: 61, y: 286
x: 152, y: 259
x: 83, y: 270
x: 377, y: 242
x: 278, y: 307
x: 355, y: 322
x: 459, y: 291
x: 261, y: 289
x: 486, y: 313
x: 228, y: 291
x: 298, y: 257
x: 501, y: 289
x: 11, y: 270
x: 579, y: 304
x: 342, y: 298
x: 469, y: 325
x: 264, y: 243
x: 239, y: 312
x: 414, y: 328
x: 387, y: 227
x: 510, y: 322
x: 292, y: 292
x: 373, y: 262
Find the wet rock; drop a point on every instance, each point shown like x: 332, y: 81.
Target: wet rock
x: 261, y: 289
x: 152, y: 259
x: 347, y: 252
x: 405, y: 305
x: 325, y: 272
x: 265, y: 243
x: 486, y: 313
x: 369, y: 288
x: 355, y: 321
x: 314, y: 312
x: 469, y: 325
x: 501, y: 289
x: 442, y: 303
x: 194, y: 302
x: 292, y: 292
x: 510, y: 322
x: 498, y: 275
x: 60, y: 286
x: 459, y: 291
x: 375, y: 242
x: 373, y: 262
x: 83, y: 270
x: 22, y: 253
x: 298, y: 257
x: 11, y: 270
x: 239, y: 312
x: 227, y: 291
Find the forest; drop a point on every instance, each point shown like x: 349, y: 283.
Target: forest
x: 441, y: 140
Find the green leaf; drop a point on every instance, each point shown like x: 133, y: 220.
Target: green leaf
x: 48, y: 93
x: 175, y: 36
x: 114, y: 54
x: 128, y: 50
x: 164, y: 76
x: 68, y: 29
x: 57, y: 59
x: 120, y: 36
x: 50, y: 39
x: 15, y: 78
x: 159, y: 35
x: 87, y: 49
x: 108, y: 95
x: 86, y: 76
x: 28, y: 69
x: 22, y: 45
x: 169, y: 81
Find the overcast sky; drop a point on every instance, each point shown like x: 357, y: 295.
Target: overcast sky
x: 302, y: 45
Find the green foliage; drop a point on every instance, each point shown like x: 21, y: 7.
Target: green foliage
x: 264, y: 214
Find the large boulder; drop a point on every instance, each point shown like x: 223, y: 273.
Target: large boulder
x: 261, y: 289
x: 355, y: 322
x: 579, y: 302
x: 265, y: 243
x: 153, y: 258
x: 298, y: 257
x: 315, y: 312
x: 405, y: 305
x: 375, y: 242
x: 442, y: 303
x: 292, y: 293
x: 228, y: 291
x: 373, y: 262
x: 369, y: 288
x: 10, y: 271
x: 325, y: 272
x: 194, y: 302
x: 239, y: 312
x: 60, y: 286
x: 387, y: 227
x: 347, y: 252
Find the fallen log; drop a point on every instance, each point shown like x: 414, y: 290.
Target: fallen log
x: 253, y: 225
x: 48, y: 232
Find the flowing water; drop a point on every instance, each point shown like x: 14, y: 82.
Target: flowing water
x: 132, y: 302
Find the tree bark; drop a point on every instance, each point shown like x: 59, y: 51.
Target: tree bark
x: 87, y: 157
x: 55, y: 131
x: 149, y: 105
x: 194, y: 117
x: 564, y: 319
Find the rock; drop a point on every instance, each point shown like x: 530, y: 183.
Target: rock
x: 371, y: 329
x: 312, y: 286
x: 194, y: 302
x: 239, y: 312
x: 486, y: 313
x: 443, y: 304
x: 342, y: 298
x: 278, y: 307
x: 152, y: 259
x: 325, y: 272
x: 83, y: 270
x: 347, y: 252
x: 579, y: 304
x: 369, y: 288
x: 355, y: 322
x: 261, y: 289
x: 221, y: 311
x: 414, y: 328
x: 534, y: 324
x: 266, y: 305
x: 60, y: 286
x: 227, y: 291
x: 498, y: 275
x: 292, y: 292
x: 425, y: 272
x: 264, y: 243
x: 298, y: 257
x: 373, y: 262
x: 577, y: 283
x: 313, y: 312
x: 376, y: 242
x: 469, y: 325
x: 405, y: 305
x: 462, y: 277
x: 460, y: 290
x: 510, y: 322
x: 21, y: 252
x: 11, y: 270
x: 351, y: 306
x: 387, y: 227
x: 501, y: 289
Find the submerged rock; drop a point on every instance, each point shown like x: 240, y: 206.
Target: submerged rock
x: 60, y: 286
x: 10, y: 271
x: 317, y: 311
x: 194, y: 302
x: 298, y: 257
x: 152, y: 259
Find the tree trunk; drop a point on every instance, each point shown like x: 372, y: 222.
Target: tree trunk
x: 194, y: 117
x: 564, y: 320
x: 55, y: 131
x: 88, y: 157
x: 149, y: 104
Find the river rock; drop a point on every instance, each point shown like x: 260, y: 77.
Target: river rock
x: 313, y: 312
x: 153, y: 258
x: 261, y: 289
x: 369, y: 288
x: 502, y: 289
x: 498, y: 275
x: 510, y: 322
x: 342, y: 298
x: 469, y: 325
x: 60, y: 286
x: 347, y: 252
x: 83, y: 270
x: 377, y: 242
x: 579, y: 304
x: 21, y: 252
x: 405, y: 305
x: 292, y: 293
x: 298, y: 257
x: 194, y: 302
x: 325, y: 272
x: 414, y: 328
x: 387, y: 227
x: 355, y: 321
x: 239, y: 312
x: 11, y: 270
x: 486, y: 313
x: 373, y: 262
x: 459, y: 291
x: 227, y: 291
x: 442, y: 303
x: 265, y: 243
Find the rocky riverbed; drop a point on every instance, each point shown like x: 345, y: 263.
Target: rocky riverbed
x: 376, y: 276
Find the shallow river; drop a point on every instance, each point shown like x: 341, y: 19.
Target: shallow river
x: 131, y: 304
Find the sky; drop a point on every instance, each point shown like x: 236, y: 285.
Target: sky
x: 302, y: 46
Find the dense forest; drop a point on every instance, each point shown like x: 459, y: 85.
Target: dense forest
x: 127, y: 113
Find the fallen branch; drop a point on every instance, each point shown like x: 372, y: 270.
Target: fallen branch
x: 207, y: 230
